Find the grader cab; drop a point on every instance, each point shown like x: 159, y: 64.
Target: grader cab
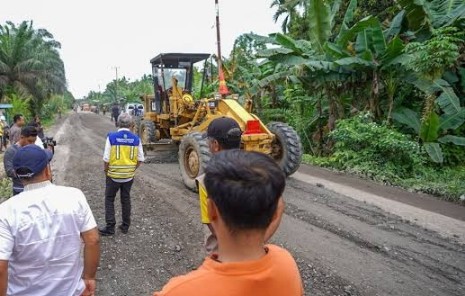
x: 173, y: 116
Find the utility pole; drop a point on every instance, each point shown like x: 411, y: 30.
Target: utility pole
x: 223, y: 88
x: 218, y: 35
x: 116, y: 84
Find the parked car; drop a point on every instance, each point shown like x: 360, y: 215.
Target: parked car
x: 134, y: 109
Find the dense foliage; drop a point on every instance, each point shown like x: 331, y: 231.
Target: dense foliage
x: 404, y: 64
x: 376, y: 151
x: 121, y: 91
x: 31, y: 69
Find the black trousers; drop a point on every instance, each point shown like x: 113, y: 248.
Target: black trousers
x: 111, y: 189
x: 115, y: 116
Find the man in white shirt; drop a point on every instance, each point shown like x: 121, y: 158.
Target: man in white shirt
x: 41, y: 231
x: 122, y: 156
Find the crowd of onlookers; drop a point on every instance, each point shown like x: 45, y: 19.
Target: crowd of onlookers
x: 10, y: 134
x: 18, y: 135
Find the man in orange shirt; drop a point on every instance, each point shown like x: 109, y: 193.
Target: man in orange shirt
x: 244, y: 189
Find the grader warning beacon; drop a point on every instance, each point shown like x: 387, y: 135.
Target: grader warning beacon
x: 173, y: 116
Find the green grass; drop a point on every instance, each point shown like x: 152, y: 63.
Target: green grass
x: 5, y: 188
x: 445, y: 182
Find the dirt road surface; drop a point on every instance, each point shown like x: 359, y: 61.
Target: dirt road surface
x: 343, y: 245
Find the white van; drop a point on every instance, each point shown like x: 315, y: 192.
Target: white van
x: 134, y: 109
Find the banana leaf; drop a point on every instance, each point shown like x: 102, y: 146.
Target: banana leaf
x: 360, y: 26
x: 460, y: 141
x: 448, y: 100
x: 429, y: 130
x: 396, y: 26
x: 435, y: 152
x: 408, y: 117
x: 319, y: 19
x: 288, y: 43
x: 348, y: 18
x: 355, y: 62
x: 269, y: 52
x: 334, y: 11
x: 452, y: 121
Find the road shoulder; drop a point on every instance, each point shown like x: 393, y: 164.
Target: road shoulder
x: 443, y: 217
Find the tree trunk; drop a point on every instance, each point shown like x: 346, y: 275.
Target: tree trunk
x: 374, y: 95
x: 320, y: 127
x: 258, y: 102
x: 390, y: 89
x: 391, y: 106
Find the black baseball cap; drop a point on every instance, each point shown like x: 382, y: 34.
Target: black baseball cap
x: 31, y: 160
x: 223, y: 129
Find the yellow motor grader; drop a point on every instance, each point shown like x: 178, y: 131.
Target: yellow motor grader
x: 173, y: 116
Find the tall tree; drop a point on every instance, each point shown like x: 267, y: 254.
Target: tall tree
x: 30, y: 64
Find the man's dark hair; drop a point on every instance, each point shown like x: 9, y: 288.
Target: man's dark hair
x: 29, y: 131
x: 17, y: 117
x: 245, y: 187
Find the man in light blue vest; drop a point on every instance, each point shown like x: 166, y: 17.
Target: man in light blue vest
x: 122, y: 156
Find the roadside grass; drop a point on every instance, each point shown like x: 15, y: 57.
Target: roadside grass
x: 444, y: 182
x: 5, y: 182
x: 5, y: 188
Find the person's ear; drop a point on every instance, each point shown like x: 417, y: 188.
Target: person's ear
x: 279, y: 211
x: 48, y: 172
x: 212, y: 210
x: 216, y: 146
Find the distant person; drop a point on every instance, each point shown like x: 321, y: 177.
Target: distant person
x: 1, y: 136
x: 42, y: 231
x: 115, y: 113
x: 38, y: 124
x: 28, y: 137
x: 15, y: 130
x: 244, y: 191
x: 38, y: 141
x: 123, y: 154
x: 6, y: 132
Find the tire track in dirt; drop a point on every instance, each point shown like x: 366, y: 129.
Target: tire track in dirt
x: 370, y: 241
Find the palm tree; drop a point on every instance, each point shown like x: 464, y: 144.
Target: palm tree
x: 30, y: 64
x: 289, y: 9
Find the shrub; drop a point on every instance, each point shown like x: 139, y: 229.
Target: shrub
x: 377, y: 152
x: 367, y: 148
x: 5, y: 188
x: 20, y: 106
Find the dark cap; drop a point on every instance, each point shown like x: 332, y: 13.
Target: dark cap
x: 31, y: 160
x: 223, y: 129
x: 29, y: 131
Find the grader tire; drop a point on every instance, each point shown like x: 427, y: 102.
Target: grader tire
x: 136, y: 128
x: 193, y: 156
x: 286, y: 148
x: 147, y: 132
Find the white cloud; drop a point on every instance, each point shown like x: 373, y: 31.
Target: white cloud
x: 100, y: 34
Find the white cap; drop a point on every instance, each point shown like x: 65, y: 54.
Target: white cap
x: 2, y: 117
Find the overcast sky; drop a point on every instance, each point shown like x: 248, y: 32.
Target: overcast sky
x: 97, y: 35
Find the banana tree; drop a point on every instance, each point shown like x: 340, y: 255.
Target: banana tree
x: 442, y: 109
x: 426, y: 15
x: 434, y: 130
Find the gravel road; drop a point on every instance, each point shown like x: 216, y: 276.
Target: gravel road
x: 343, y: 246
